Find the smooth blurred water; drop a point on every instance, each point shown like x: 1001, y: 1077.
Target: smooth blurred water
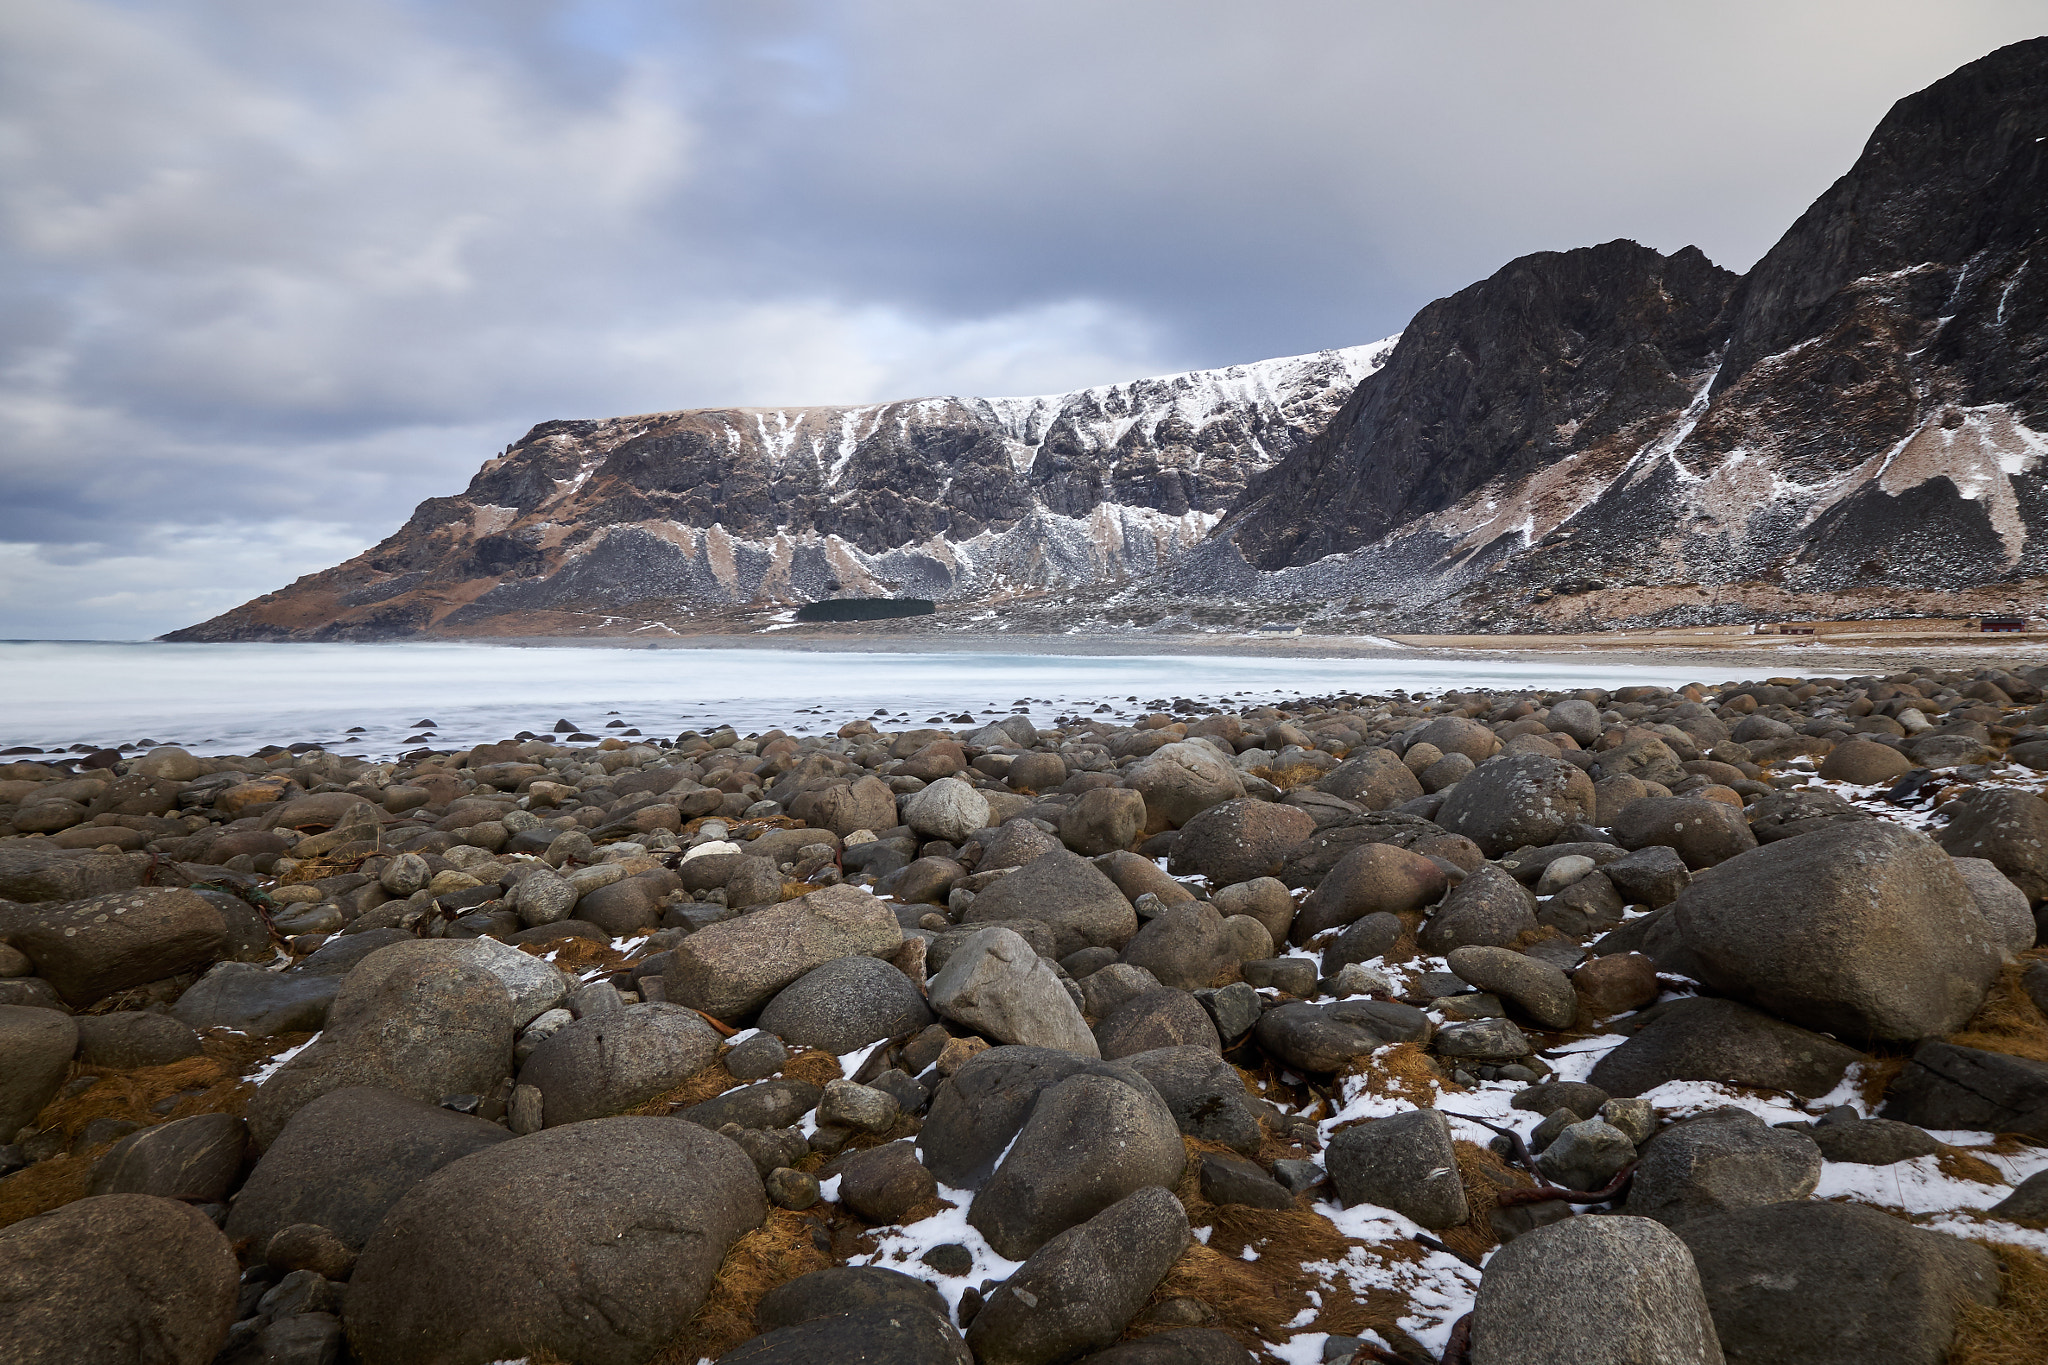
x: 234, y: 698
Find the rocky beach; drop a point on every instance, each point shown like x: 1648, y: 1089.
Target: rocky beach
x: 1677, y: 1024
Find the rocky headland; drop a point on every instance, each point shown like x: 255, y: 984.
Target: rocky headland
x: 1539, y: 1027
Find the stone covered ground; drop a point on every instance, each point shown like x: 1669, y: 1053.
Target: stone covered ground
x: 1654, y: 1026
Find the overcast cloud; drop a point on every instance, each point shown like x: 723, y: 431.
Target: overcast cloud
x: 270, y: 274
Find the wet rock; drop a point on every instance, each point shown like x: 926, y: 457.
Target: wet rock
x: 118, y: 1277
x: 1863, y: 930
x: 1721, y: 1160
x: 1079, y: 1291
x: 501, y: 1255
x: 844, y: 1004
x: 1593, y: 1291
x: 996, y: 985
x: 1405, y: 1163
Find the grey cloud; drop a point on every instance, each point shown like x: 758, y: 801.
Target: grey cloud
x: 270, y: 274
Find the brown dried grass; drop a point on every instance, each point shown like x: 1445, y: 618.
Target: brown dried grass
x: 2016, y: 1331
x: 1876, y: 1077
x: 1404, y: 1072
x: 1958, y: 1164
x: 577, y: 954
x: 778, y: 1251
x: 2010, y: 1021
x: 214, y: 1077
x: 1255, y: 1300
x: 714, y: 1080
x: 313, y: 869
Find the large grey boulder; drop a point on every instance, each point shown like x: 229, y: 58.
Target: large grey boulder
x: 1103, y: 820
x: 1371, y: 879
x: 428, y: 1026
x: 1089, y: 1141
x: 1834, y: 1284
x: 1376, y: 779
x: 1204, y: 1093
x: 1488, y: 908
x: 1181, y: 780
x: 901, y: 1335
x: 1703, y: 1039
x: 1593, y: 1291
x: 1721, y: 1160
x: 595, y: 1242
x: 1538, y: 991
x: 978, y: 1111
x: 2007, y: 828
x: 2000, y: 901
x: 1517, y: 800
x: 532, y: 986
x: 1863, y: 930
x: 117, y: 1278
x: 244, y: 997
x: 732, y: 968
x: 1079, y: 1291
x: 1405, y: 1163
x: 1158, y: 1018
x: 843, y: 1289
x: 1946, y: 1086
x: 127, y: 1039
x: 845, y: 1004
x: 996, y: 985
x: 35, y: 1055
x: 346, y: 1158
x: 1189, y: 947
x: 1067, y: 893
x: 1322, y: 1038
x: 91, y: 948
x: 607, y: 1063
x: 39, y: 871
x: 1240, y: 840
x: 948, y: 809
x: 1703, y: 833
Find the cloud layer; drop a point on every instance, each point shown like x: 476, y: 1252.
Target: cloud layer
x: 271, y: 274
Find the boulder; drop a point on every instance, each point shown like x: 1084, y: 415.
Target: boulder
x: 884, y: 1183
x: 626, y: 907
x: 995, y: 984
x: 1539, y: 991
x: 344, y: 1159
x: 132, y: 1038
x: 1721, y: 1160
x: 1704, y: 1039
x: 118, y: 1277
x: 1078, y: 1291
x: 1181, y: 780
x: 1239, y: 840
x: 595, y: 1242
x: 896, y: 1335
x: 244, y: 997
x: 848, y: 1002
x: 1161, y: 1018
x: 2006, y: 827
x: 1863, y: 930
x: 1488, y: 908
x: 1204, y: 1093
x: 1652, y: 876
x: 866, y: 803
x: 843, y: 1289
x: 1066, y: 892
x: 1264, y: 899
x: 1586, y: 1155
x: 1593, y: 1291
x: 607, y: 1063
x: 1310, y: 1038
x: 2002, y: 904
x: 1191, y: 946
x: 31, y: 871
x: 776, y: 1103
x: 1576, y: 717
x: 1946, y: 1086
x: 1518, y: 799
x: 1405, y: 1163
x: 948, y: 809
x: 428, y: 1026
x: 1376, y: 779
x: 1370, y: 879
x: 1834, y: 1284
x: 1702, y: 833
x: 732, y: 968
x: 36, y: 1046
x: 1865, y: 763
x: 977, y: 1112
x: 1870, y: 1142
x: 196, y: 1160
x: 1103, y: 820
x: 1363, y: 940
x: 91, y: 948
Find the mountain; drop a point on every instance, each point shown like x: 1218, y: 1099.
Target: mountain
x: 1594, y: 437
x: 636, y: 522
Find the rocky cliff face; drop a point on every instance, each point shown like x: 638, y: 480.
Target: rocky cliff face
x: 1591, y: 437
x: 1864, y: 412
x: 635, y: 520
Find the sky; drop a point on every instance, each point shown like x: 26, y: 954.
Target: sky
x: 271, y: 274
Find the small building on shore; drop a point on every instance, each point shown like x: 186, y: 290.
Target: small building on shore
x: 1277, y: 628
x: 2002, y: 625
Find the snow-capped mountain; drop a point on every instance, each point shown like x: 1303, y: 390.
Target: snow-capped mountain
x: 1592, y: 437
x: 642, y: 519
